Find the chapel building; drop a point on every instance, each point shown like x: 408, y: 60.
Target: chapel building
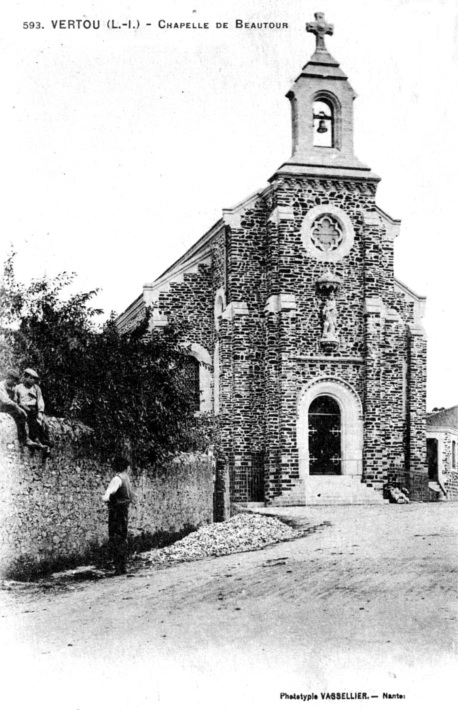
x: 307, y: 350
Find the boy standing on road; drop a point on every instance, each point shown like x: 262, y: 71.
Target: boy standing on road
x: 118, y: 496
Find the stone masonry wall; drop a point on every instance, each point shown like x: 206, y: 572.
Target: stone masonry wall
x: 192, y: 299
x: 416, y: 414
x: 451, y: 474
x: 56, y: 510
x: 299, y: 271
x: 241, y: 349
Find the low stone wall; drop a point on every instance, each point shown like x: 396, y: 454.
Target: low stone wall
x: 54, y: 509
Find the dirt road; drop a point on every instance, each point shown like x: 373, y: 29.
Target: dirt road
x: 365, y: 605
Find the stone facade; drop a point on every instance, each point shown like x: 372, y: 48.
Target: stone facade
x: 294, y: 302
x: 55, y: 510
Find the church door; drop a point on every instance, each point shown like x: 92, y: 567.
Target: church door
x: 325, y: 437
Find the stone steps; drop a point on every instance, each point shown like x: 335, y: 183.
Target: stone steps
x: 341, y: 490
x: 326, y: 490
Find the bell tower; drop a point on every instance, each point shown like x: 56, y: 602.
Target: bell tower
x: 322, y: 114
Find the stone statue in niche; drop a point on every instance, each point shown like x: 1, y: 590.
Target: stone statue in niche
x: 330, y: 318
x: 327, y: 287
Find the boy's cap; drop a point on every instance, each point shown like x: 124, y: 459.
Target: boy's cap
x: 31, y: 372
x: 13, y: 373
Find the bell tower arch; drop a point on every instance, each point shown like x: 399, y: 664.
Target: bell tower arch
x: 322, y: 112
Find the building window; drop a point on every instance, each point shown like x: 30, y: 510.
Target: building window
x: 327, y: 233
x: 325, y: 456
x: 323, y: 124
x: 192, y: 382
x: 453, y: 454
x: 220, y: 305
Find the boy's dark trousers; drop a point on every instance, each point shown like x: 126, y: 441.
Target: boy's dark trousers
x: 38, y: 431
x: 118, y: 516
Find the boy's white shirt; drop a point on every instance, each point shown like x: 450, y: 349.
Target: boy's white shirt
x: 113, y: 486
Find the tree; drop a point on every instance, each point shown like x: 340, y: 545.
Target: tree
x: 48, y: 332
x: 133, y: 387
x: 128, y: 387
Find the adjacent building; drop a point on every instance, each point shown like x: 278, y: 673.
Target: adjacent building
x: 442, y: 442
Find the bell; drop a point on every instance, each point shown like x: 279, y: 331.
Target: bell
x: 322, y: 128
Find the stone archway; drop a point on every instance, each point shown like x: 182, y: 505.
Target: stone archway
x: 351, y: 423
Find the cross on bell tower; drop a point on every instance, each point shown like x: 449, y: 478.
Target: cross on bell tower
x: 320, y: 28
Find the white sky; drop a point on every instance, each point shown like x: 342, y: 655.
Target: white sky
x: 123, y: 146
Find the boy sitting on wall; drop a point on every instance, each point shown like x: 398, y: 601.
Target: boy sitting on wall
x: 9, y: 405
x: 28, y: 396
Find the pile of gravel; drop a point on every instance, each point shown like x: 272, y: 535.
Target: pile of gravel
x: 239, y: 534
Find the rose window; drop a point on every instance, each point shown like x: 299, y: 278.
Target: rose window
x: 326, y: 233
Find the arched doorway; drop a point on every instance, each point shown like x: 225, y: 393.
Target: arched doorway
x: 325, y: 440
x: 332, y: 407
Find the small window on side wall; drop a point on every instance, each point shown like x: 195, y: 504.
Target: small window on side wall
x: 453, y: 454
x: 323, y: 124
x: 192, y: 382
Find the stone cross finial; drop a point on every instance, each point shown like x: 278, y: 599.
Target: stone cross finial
x: 320, y: 28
